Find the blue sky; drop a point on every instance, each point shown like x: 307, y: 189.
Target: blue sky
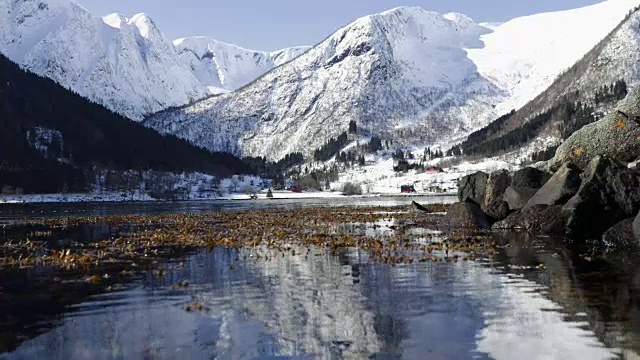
x: 275, y: 24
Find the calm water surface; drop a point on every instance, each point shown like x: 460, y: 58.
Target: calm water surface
x: 335, y: 306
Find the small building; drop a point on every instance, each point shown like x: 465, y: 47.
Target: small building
x: 434, y: 169
x: 407, y: 189
x: 435, y: 189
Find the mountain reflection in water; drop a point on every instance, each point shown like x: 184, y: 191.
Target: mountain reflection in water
x: 331, y: 307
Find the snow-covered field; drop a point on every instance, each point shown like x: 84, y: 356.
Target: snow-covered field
x: 378, y: 177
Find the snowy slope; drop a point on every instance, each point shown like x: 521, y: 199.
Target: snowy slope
x: 526, y: 54
x: 124, y: 64
x: 616, y: 57
x: 225, y: 67
x: 416, y: 76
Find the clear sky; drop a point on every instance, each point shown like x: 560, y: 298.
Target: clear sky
x: 275, y: 24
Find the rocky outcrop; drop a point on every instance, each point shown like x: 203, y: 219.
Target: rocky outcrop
x: 541, y: 219
x: 473, y: 187
x: 609, y: 193
x: 494, y: 205
x: 559, y: 188
x: 620, y: 235
x: 524, y: 184
x: 487, y: 191
x: 616, y: 136
x: 583, y: 206
x: 466, y: 215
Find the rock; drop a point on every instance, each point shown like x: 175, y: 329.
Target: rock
x: 466, y: 215
x: 541, y: 219
x: 634, y: 165
x: 608, y: 194
x: 615, y: 137
x: 524, y: 184
x: 494, y: 205
x: 560, y: 188
x: 473, y: 187
x: 636, y: 227
x: 419, y: 207
x: 512, y: 222
x: 620, y: 235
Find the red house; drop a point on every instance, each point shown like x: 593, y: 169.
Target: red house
x: 407, y: 189
x: 434, y: 169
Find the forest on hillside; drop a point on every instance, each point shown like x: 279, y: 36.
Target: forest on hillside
x: 569, y: 114
x: 51, y: 138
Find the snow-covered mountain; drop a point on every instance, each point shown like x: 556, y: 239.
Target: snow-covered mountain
x: 226, y: 67
x: 125, y: 64
x: 407, y: 73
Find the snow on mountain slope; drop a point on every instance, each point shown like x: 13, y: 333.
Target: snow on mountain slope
x: 404, y: 70
x: 615, y: 58
x: 409, y: 74
x: 526, y: 54
x: 225, y: 67
x: 124, y: 64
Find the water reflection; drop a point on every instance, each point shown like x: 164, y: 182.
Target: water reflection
x: 335, y: 306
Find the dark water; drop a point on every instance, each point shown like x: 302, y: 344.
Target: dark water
x: 17, y: 212
x: 342, y: 306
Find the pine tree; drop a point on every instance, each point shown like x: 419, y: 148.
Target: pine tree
x: 353, y: 127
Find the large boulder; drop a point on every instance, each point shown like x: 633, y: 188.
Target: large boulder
x: 487, y: 191
x: 609, y: 193
x: 473, y: 187
x: 620, y: 235
x: 524, y: 184
x: 636, y: 227
x: 615, y: 136
x: 560, y: 188
x: 541, y: 219
x: 466, y: 215
x: 493, y: 204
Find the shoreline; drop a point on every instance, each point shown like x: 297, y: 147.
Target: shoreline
x: 142, y: 198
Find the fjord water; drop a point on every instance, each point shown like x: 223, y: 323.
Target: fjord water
x: 342, y: 306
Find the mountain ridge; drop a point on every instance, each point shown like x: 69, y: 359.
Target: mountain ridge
x: 213, y: 58
x: 406, y: 74
x: 125, y: 64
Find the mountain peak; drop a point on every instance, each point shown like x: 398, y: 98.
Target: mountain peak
x: 407, y: 74
x: 145, y: 24
x: 115, y: 20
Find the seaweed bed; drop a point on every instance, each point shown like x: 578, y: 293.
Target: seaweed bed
x: 135, y: 241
